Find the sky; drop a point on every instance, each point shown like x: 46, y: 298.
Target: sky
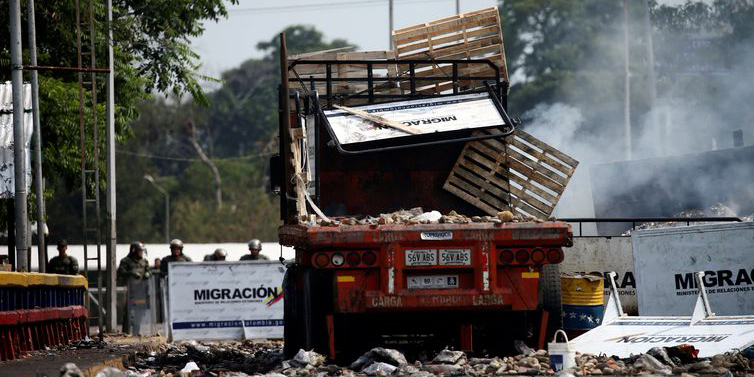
x: 228, y: 43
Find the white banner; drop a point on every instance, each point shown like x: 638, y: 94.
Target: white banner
x: 452, y: 113
x: 634, y: 335
x: 226, y: 300
x: 665, y: 261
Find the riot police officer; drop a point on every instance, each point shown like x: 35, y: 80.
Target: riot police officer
x: 176, y: 255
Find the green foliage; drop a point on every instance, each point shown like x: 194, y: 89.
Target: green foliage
x: 152, y: 55
x: 238, y: 131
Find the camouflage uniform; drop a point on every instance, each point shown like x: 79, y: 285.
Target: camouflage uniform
x: 66, y: 265
x: 171, y: 258
x: 251, y: 257
x: 132, y: 268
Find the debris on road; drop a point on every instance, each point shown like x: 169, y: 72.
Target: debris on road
x: 248, y: 359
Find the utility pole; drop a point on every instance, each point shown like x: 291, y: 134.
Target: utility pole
x: 112, y: 240
x: 655, y: 124
x: 19, y: 155
x: 390, y: 27
x: 458, y: 6
x: 627, y: 80
x: 38, y: 180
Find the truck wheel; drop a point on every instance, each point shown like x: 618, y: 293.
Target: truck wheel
x: 551, y: 295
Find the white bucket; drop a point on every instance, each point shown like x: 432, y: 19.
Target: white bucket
x: 562, y: 355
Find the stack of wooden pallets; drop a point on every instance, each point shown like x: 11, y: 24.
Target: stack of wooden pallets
x: 473, y: 35
x: 521, y: 173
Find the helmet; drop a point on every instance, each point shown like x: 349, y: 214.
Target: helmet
x: 220, y: 253
x: 136, y: 246
x: 176, y: 243
x: 255, y: 244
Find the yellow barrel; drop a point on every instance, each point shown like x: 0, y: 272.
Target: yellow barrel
x: 582, y: 290
x: 583, y: 300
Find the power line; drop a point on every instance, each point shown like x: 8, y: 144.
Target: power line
x: 323, y: 6
x: 171, y: 158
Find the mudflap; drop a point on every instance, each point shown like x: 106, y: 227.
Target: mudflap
x: 293, y: 322
x: 550, y: 298
x: 308, y: 300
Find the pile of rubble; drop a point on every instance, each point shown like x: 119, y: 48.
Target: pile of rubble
x: 244, y: 359
x: 417, y: 215
x: 717, y: 210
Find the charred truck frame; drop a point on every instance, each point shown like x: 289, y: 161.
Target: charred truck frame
x: 475, y: 286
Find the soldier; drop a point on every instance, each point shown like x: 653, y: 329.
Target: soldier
x: 63, y: 264
x: 218, y: 255
x: 176, y: 255
x: 255, y: 246
x: 134, y: 266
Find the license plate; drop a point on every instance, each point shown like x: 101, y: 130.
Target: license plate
x: 432, y: 282
x: 455, y: 257
x: 421, y: 257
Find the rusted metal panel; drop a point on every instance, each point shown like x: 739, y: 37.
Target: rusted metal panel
x: 522, y: 234
x: 384, y: 182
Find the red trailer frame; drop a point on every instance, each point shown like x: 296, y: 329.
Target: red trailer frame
x: 502, y: 275
x: 352, y: 287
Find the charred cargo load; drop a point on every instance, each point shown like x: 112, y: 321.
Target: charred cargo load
x: 380, y: 154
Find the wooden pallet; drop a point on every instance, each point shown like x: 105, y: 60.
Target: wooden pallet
x: 344, y: 71
x: 473, y: 35
x: 521, y: 172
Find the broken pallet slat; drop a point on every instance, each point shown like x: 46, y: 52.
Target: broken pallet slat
x: 521, y: 172
x: 380, y: 120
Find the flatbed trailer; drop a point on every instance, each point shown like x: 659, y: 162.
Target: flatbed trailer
x: 419, y: 287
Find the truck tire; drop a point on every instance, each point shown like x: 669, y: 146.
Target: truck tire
x: 551, y: 295
x: 293, y: 321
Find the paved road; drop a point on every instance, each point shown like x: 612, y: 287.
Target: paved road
x: 89, y: 360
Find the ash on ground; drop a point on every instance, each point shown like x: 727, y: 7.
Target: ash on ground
x: 265, y: 359
x: 717, y: 210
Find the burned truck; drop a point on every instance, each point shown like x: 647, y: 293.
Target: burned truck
x: 401, y: 191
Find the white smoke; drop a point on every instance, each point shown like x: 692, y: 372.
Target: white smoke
x: 676, y: 126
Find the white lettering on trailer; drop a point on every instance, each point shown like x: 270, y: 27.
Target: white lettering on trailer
x: 387, y: 302
x: 485, y: 267
x: 391, y: 280
x: 436, y: 236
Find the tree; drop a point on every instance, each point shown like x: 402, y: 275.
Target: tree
x: 571, y: 51
x: 237, y: 132
x: 555, y: 44
x: 152, y: 54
